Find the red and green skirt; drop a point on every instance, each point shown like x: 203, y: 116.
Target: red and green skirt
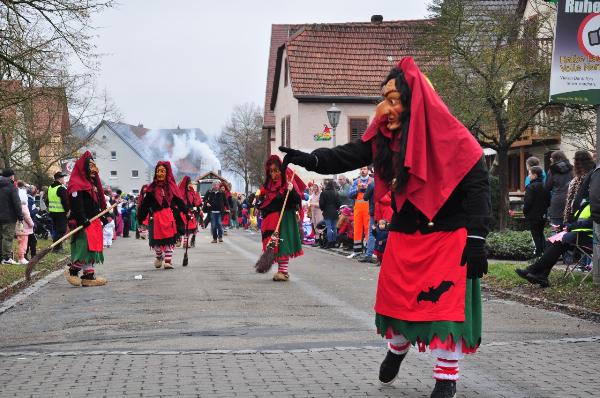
x: 86, y: 245
x: 290, y: 243
x: 423, y: 292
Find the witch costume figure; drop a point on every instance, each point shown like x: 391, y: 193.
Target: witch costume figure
x: 192, y: 201
x: 163, y: 203
x: 86, y: 200
x: 437, y: 176
x: 271, y: 197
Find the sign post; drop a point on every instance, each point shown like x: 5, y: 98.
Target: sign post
x: 575, y: 75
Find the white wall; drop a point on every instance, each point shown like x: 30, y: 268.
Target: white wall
x: 105, y: 141
x: 307, y: 119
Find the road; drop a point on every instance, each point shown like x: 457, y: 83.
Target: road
x: 216, y: 328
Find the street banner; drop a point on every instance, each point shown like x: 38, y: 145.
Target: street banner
x: 575, y: 76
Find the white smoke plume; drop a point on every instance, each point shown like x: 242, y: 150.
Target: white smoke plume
x: 167, y: 145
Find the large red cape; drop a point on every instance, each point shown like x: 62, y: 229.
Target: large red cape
x: 270, y: 189
x: 79, y: 181
x: 440, y: 151
x: 164, y: 189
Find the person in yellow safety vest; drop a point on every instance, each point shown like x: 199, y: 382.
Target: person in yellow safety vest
x: 578, y: 232
x: 58, y: 206
x: 361, y: 208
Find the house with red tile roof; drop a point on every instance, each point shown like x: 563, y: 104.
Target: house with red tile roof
x: 313, y: 66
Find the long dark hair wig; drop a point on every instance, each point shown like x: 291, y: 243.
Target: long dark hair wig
x: 385, y: 156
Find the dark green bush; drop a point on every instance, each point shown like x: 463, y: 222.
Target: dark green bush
x: 510, y: 245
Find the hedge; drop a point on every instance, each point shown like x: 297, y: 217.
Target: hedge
x: 510, y: 245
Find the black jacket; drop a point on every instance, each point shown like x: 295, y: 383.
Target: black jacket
x: 83, y: 208
x: 536, y: 200
x: 150, y: 205
x: 10, y: 204
x: 468, y: 206
x: 293, y: 202
x: 216, y: 199
x: 330, y: 202
x: 557, y: 184
x: 62, y: 194
x: 371, y: 198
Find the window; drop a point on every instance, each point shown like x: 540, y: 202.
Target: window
x: 135, y: 173
x: 272, y: 136
x: 113, y: 174
x: 288, y: 131
x: 286, y: 73
x: 113, y: 155
x: 136, y: 191
x: 285, y: 130
x: 358, y: 125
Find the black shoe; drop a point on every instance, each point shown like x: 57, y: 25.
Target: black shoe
x: 522, y: 272
x: 388, y: 371
x: 444, y: 389
x: 537, y: 280
x: 73, y: 271
x: 365, y: 259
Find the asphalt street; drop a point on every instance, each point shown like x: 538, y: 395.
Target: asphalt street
x: 216, y: 328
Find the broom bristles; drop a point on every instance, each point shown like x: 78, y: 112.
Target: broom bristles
x: 266, y: 261
x: 35, y: 260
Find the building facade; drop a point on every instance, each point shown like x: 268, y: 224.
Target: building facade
x: 312, y: 67
x: 121, y: 157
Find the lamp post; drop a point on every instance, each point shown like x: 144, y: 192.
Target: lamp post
x: 333, y: 114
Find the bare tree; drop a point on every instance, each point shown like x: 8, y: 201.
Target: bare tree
x: 40, y: 97
x: 32, y: 29
x: 492, y: 67
x: 241, y: 149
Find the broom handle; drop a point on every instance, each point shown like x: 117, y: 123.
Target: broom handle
x: 287, y: 194
x: 79, y: 228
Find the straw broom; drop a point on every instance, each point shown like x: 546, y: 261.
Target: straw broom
x: 267, y: 259
x: 36, y: 259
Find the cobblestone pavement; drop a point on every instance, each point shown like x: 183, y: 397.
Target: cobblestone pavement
x: 536, y: 369
x: 215, y: 329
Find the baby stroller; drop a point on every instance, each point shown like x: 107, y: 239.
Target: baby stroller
x: 321, y: 234
x: 42, y: 225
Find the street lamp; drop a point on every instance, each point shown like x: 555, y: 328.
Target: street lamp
x: 333, y: 114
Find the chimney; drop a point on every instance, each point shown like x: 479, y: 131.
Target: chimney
x: 377, y: 19
x: 140, y: 125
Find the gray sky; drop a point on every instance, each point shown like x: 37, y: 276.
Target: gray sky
x: 189, y: 62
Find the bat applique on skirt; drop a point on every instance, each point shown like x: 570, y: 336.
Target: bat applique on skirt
x: 434, y: 293
x: 421, y: 278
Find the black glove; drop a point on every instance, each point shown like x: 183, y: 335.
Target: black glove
x: 86, y: 223
x: 475, y: 257
x: 302, y: 159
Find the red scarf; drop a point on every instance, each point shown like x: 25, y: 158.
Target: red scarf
x: 271, y: 189
x: 440, y: 151
x: 191, y: 197
x: 164, y: 190
x: 79, y: 181
x: 140, y: 198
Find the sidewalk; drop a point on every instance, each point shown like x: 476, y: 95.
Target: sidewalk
x: 533, y: 369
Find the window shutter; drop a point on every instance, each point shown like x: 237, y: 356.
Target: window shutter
x: 288, y: 130
x: 358, y: 127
